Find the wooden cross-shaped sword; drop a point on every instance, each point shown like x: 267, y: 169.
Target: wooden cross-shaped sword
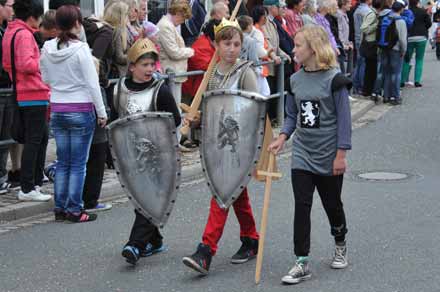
x: 270, y: 174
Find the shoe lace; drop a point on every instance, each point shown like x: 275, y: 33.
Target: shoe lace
x: 298, y: 269
x: 339, y: 254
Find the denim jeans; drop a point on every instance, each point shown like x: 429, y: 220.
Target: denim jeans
x: 392, y: 68
x: 359, y: 73
x: 73, y: 136
x: 378, y: 85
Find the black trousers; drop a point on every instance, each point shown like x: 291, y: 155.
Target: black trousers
x: 370, y: 75
x: 6, y: 117
x: 35, y: 143
x: 329, y: 189
x: 144, y: 232
x: 94, y: 175
x: 437, y: 50
x: 272, y: 103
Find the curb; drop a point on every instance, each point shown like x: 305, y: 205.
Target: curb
x: 113, y: 191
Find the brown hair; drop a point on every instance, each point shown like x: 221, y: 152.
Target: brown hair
x: 318, y: 41
x: 67, y: 16
x: 180, y: 6
x: 49, y: 21
x: 227, y: 34
x: 245, y: 21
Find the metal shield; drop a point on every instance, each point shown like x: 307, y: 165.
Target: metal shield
x: 232, y: 138
x: 145, y: 151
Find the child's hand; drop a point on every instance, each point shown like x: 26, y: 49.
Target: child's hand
x: 340, y: 163
x: 277, y: 145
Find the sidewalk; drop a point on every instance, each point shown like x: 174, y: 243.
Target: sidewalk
x: 11, y: 209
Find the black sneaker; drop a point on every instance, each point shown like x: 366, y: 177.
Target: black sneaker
x: 4, y: 188
x: 417, y: 84
x: 247, y: 251
x: 81, y: 217
x: 200, y: 260
x: 60, y: 215
x: 131, y: 254
x: 395, y: 101
x: 14, y: 179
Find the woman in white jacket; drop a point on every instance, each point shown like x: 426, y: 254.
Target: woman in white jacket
x: 173, y: 53
x: 67, y: 66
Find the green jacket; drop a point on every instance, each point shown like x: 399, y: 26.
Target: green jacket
x: 369, y: 26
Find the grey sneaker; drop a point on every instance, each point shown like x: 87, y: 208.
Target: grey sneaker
x: 300, y: 272
x: 340, y: 257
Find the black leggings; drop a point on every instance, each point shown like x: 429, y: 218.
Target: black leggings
x: 329, y: 189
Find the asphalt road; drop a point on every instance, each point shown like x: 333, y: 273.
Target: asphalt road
x: 393, y: 239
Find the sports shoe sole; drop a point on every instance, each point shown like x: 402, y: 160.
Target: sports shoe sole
x: 129, y: 257
x: 99, y: 210
x: 190, y: 263
x: 21, y: 199
x: 288, y: 281
x: 339, y: 267
x: 242, y: 261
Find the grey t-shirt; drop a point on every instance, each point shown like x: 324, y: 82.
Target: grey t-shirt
x: 320, y: 118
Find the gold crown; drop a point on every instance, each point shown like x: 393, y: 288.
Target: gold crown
x: 224, y: 24
x: 139, y: 48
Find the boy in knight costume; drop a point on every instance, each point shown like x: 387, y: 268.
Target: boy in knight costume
x: 229, y: 73
x: 141, y: 92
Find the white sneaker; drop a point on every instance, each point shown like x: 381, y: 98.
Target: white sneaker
x: 340, y: 258
x: 33, y: 195
x: 300, y: 272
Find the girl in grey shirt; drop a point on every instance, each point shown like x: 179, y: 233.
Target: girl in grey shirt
x: 318, y: 116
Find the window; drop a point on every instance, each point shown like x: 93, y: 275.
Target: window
x: 87, y: 7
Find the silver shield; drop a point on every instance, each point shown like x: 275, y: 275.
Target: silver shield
x: 145, y: 151
x: 232, y: 138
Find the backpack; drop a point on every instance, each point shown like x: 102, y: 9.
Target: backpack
x: 98, y: 30
x: 386, y: 34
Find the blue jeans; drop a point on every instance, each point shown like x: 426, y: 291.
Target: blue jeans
x: 359, y: 73
x: 378, y: 85
x: 392, y: 68
x: 73, y: 136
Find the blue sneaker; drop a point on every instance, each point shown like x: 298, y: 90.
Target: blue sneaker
x: 131, y: 254
x: 100, y: 207
x: 151, y: 250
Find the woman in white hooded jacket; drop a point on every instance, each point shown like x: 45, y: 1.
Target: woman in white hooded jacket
x: 67, y: 66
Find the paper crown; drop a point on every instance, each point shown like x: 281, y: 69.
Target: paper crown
x: 224, y: 24
x: 139, y: 48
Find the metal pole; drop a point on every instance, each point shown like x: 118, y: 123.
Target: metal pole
x: 280, y: 87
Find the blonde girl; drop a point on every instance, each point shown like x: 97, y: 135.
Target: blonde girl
x: 116, y: 15
x: 318, y: 116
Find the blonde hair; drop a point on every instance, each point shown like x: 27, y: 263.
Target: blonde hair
x: 318, y: 41
x: 117, y: 16
x: 180, y: 6
x: 309, y: 7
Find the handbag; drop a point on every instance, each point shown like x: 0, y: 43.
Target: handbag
x: 17, y: 129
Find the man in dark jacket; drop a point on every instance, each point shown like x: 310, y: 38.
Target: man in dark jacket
x: 190, y: 30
